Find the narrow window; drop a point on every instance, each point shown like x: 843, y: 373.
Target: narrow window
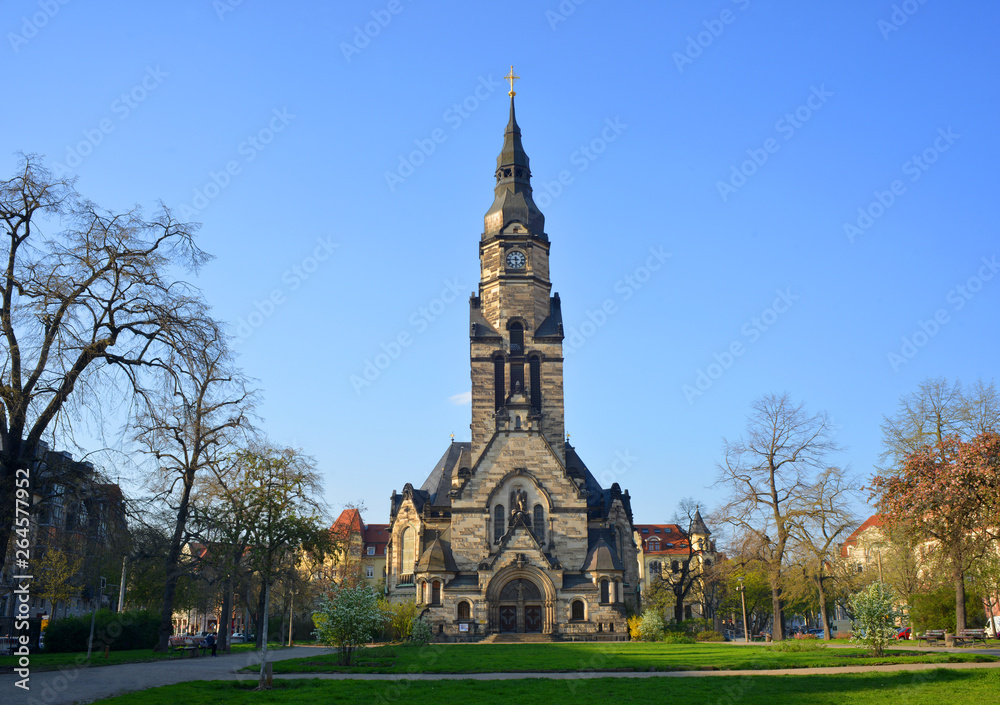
x: 675, y: 566
x: 516, y: 339
x: 408, y: 558
x: 577, y: 610
x: 605, y: 595
x: 535, y: 371
x: 498, y: 383
x: 516, y: 378
x: 539, y: 523
x: 436, y: 593
x: 498, y: 519
x: 464, y: 613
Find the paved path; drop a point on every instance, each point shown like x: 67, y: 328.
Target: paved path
x: 85, y: 685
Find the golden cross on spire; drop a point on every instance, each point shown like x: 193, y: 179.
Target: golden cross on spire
x: 511, y: 77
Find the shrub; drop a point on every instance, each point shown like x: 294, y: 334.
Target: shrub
x: 347, y: 618
x: 678, y: 638
x: 709, y: 635
x: 633, y: 627
x: 121, y: 631
x: 400, y: 618
x: 421, y: 632
x: 875, y: 615
x: 796, y: 645
x: 650, y: 626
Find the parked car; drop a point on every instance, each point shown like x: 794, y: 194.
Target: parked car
x: 903, y: 633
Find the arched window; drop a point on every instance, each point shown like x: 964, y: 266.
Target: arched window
x: 675, y: 566
x: 616, y: 597
x: 538, y: 522
x: 500, y: 396
x: 578, y: 613
x: 436, y: 592
x: 605, y: 595
x: 498, y: 519
x: 535, y: 370
x: 516, y: 339
x: 464, y: 612
x: 406, y: 567
x: 654, y: 568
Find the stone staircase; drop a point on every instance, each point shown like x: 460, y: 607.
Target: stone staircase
x: 511, y: 638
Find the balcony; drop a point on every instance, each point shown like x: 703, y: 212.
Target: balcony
x: 405, y: 579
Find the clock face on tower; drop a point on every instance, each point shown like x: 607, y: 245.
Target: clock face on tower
x: 516, y: 260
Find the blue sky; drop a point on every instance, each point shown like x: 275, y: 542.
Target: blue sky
x: 766, y: 196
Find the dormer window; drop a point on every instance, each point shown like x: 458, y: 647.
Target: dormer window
x: 656, y: 531
x: 654, y: 545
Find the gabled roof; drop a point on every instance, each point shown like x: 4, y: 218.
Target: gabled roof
x: 349, y: 522
x: 875, y: 521
x: 670, y: 539
x: 376, y: 535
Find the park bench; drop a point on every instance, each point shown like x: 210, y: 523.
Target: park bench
x: 933, y: 637
x: 184, y: 645
x: 971, y: 636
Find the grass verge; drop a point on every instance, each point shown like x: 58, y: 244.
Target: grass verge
x: 582, y: 656
x: 46, y: 662
x: 922, y: 688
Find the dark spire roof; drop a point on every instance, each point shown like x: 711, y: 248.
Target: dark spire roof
x: 512, y: 201
x: 698, y: 525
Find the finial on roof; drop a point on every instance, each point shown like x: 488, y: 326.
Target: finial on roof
x: 511, y: 77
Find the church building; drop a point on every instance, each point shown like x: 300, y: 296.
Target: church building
x: 511, y: 532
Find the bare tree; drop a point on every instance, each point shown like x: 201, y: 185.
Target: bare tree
x: 936, y: 410
x: 769, y: 473
x: 80, y: 286
x: 188, y: 425
x: 686, y: 570
x: 829, y: 518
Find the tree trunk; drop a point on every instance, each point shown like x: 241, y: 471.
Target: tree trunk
x: 778, y: 630
x: 261, y: 685
x: 822, y: 609
x: 261, y: 626
x: 173, y: 560
x: 225, y: 618
x: 959, y: 601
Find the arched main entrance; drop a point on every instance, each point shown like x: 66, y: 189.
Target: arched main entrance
x: 521, y: 598
x: 520, y: 607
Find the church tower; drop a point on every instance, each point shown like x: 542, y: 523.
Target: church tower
x: 516, y: 328
x: 510, y: 532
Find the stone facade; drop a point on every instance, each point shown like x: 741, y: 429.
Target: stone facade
x: 511, y: 532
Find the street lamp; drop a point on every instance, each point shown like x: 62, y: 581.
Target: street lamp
x: 743, y: 601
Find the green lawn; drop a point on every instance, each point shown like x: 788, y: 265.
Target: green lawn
x: 926, y: 687
x: 633, y: 656
x: 44, y: 661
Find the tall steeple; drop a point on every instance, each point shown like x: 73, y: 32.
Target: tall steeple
x: 515, y: 322
x: 512, y: 199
